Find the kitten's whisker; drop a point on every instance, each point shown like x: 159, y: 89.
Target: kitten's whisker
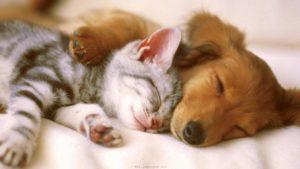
x: 146, y: 113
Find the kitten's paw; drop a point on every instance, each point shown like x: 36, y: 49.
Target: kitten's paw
x: 15, y: 149
x: 100, y: 131
x: 84, y: 46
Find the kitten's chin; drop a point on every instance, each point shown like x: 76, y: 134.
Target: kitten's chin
x: 136, y: 125
x: 140, y: 123
x: 132, y: 123
x: 143, y: 129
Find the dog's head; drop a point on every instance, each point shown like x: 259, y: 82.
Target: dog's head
x: 228, y: 92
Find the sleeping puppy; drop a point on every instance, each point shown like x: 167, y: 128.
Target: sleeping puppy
x: 228, y: 91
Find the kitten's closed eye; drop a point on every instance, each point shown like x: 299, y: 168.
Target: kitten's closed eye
x: 145, y: 88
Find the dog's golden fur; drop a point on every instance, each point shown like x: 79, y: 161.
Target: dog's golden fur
x: 227, y: 89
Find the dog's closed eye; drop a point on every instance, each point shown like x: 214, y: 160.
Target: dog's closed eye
x: 219, y: 86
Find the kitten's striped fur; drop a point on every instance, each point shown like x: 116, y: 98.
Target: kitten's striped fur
x: 38, y: 78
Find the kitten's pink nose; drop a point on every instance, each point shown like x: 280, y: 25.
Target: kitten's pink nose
x: 155, y: 125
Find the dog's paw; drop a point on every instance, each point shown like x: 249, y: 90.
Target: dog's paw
x: 100, y: 131
x: 84, y: 46
x: 15, y: 148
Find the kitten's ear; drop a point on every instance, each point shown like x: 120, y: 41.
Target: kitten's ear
x: 159, y: 49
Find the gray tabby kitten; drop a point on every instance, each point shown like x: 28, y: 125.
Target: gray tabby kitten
x: 38, y: 77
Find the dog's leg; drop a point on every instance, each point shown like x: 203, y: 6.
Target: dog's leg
x: 90, y: 44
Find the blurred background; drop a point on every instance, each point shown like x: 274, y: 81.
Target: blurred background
x: 275, y: 22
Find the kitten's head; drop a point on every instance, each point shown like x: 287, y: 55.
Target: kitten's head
x: 146, y: 87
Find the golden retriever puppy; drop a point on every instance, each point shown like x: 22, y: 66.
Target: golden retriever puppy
x: 228, y: 91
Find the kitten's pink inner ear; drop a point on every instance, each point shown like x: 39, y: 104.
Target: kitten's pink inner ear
x: 163, y: 45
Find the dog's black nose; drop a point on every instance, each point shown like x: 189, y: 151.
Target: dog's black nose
x: 193, y: 133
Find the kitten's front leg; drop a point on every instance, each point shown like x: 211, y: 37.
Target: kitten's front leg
x: 90, y: 120
x: 19, y: 128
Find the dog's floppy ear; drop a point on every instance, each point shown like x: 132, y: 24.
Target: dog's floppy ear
x: 289, y: 107
x: 188, y: 56
x: 207, y: 38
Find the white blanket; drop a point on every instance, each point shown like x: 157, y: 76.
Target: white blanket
x: 62, y: 148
